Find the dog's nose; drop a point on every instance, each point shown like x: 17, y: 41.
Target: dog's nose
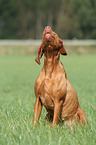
x: 48, y: 29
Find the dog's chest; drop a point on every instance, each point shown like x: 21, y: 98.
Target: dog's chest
x: 51, y: 89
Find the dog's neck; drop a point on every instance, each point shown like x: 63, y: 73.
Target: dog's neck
x: 51, y: 61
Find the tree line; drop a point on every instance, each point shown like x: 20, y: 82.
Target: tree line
x: 21, y: 19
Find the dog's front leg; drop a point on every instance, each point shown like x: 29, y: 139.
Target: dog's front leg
x: 57, y: 111
x: 37, y: 110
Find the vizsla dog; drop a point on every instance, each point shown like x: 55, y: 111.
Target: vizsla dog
x: 52, y: 88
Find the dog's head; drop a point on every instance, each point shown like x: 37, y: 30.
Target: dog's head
x: 51, y: 39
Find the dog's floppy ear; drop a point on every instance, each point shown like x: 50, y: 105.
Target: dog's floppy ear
x: 62, y: 49
x: 40, y: 53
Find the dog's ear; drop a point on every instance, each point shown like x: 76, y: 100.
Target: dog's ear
x: 40, y: 53
x: 62, y: 49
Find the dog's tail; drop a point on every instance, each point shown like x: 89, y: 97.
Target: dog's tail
x: 81, y: 117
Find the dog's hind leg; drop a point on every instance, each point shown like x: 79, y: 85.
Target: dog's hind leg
x: 81, y: 117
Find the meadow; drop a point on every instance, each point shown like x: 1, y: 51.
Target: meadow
x: 18, y: 74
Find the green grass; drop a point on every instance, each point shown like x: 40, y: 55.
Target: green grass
x: 17, y: 78
x: 30, y: 49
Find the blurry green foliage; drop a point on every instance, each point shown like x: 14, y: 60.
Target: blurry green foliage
x: 27, y: 18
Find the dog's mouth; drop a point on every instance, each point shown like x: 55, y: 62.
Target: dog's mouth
x: 48, y: 37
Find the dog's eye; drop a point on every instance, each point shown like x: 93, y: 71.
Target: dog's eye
x: 52, y: 37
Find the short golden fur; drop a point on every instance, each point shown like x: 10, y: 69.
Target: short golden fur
x: 52, y: 88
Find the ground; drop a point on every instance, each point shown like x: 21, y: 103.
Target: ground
x: 18, y: 74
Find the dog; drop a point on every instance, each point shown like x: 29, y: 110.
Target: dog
x: 53, y: 90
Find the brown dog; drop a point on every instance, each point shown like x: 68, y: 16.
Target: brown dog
x: 52, y: 87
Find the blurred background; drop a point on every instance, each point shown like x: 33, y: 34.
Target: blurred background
x: 21, y: 25
x: 26, y: 19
